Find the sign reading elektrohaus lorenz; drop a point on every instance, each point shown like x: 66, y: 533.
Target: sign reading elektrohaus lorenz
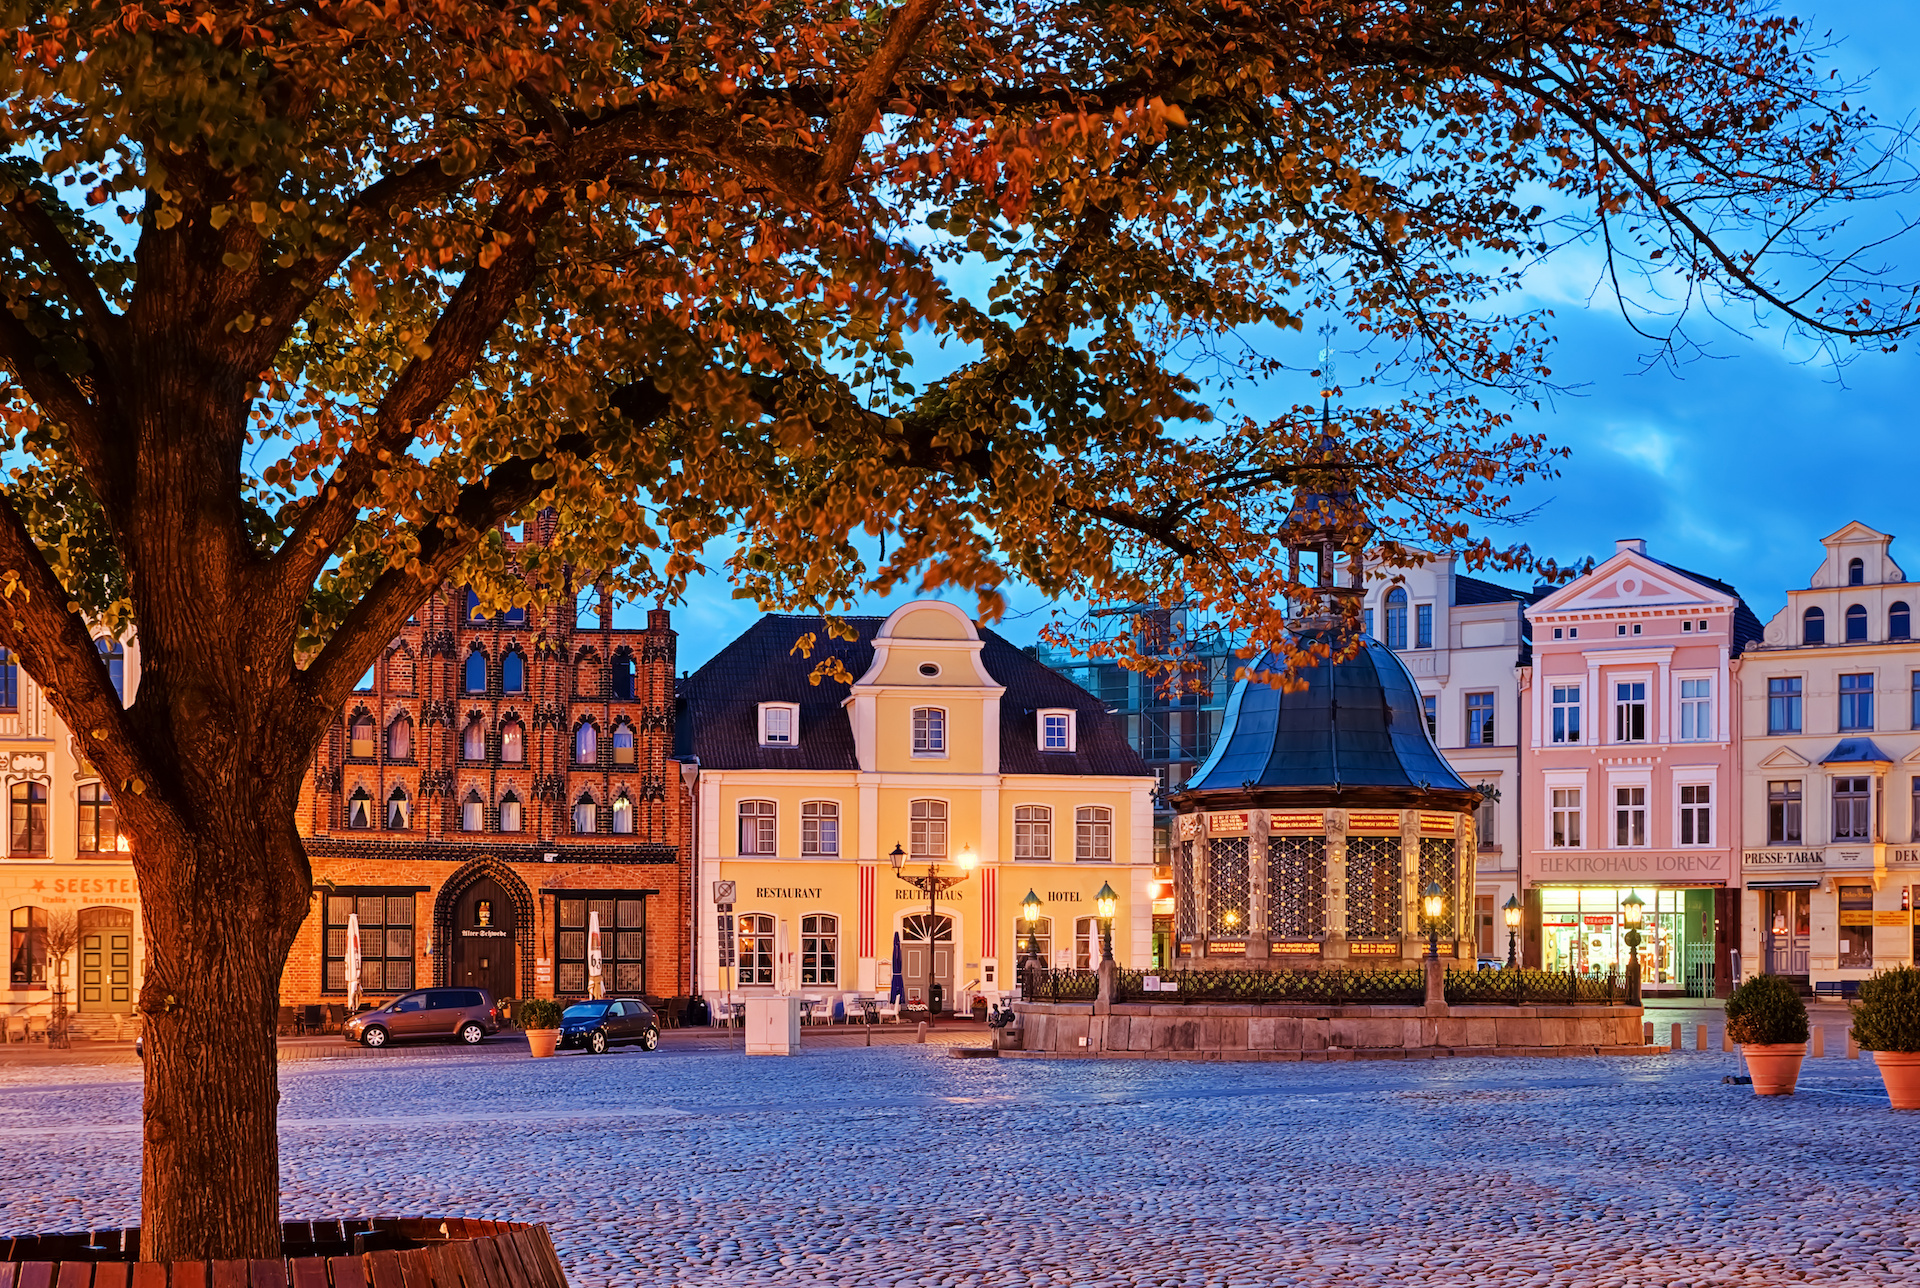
x: 1614, y: 864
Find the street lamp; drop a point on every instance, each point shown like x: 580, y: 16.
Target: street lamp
x: 1632, y: 908
x: 933, y: 885
x: 1512, y: 912
x: 1434, y: 903
x: 1104, y: 904
x: 1030, y: 913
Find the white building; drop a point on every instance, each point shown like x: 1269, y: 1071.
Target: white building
x: 1463, y: 639
x: 1831, y: 760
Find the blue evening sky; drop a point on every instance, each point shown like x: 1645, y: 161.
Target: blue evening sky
x: 1735, y: 467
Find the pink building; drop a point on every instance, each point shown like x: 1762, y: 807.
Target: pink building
x: 1630, y: 781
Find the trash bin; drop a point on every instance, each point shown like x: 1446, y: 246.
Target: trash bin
x: 938, y: 996
x: 698, y: 1012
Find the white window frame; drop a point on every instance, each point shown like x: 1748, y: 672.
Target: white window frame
x: 1686, y: 811
x: 519, y: 813
x: 1682, y: 704
x: 928, y: 821
x: 1569, y: 708
x: 621, y: 810
x: 766, y: 829
x: 1616, y: 704
x: 1065, y: 714
x: 1092, y: 832
x: 817, y: 820
x: 1037, y: 826
x: 811, y: 942
x: 1614, y: 787
x: 768, y: 736
x: 1573, y: 807
x: 473, y: 813
x: 929, y: 732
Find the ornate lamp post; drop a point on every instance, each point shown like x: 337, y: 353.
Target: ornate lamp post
x: 1512, y: 912
x: 933, y: 885
x: 1030, y: 914
x: 1434, y: 904
x: 1632, y: 908
x: 1104, y: 904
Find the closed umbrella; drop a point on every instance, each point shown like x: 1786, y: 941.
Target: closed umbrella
x: 353, y: 962
x: 897, y: 992
x: 596, y: 986
x: 782, y: 959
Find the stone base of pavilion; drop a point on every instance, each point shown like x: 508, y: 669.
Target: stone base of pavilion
x: 1203, y: 1031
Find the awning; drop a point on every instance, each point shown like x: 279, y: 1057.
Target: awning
x: 1784, y: 883
x: 1856, y: 751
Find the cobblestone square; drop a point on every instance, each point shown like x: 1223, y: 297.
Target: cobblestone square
x: 897, y: 1165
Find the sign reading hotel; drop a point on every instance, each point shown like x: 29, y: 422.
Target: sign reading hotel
x: 1234, y: 824
x: 1633, y: 866
x: 1373, y: 820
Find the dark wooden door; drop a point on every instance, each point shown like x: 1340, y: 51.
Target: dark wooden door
x: 484, y: 947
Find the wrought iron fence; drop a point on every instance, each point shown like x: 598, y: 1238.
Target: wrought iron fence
x: 1061, y: 985
x: 1517, y: 987
x: 1308, y: 987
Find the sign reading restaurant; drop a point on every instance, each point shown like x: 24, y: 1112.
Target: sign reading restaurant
x: 1623, y: 865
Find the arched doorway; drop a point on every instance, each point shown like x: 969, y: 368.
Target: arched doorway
x: 106, y: 961
x: 480, y: 914
x: 926, y: 950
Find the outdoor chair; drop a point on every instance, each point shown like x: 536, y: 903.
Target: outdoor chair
x: 887, y: 1009
x: 36, y: 1028
x: 13, y: 1028
x: 289, y: 1021
x: 335, y: 1017
x: 819, y: 1009
x: 853, y: 1008
x: 313, y: 1019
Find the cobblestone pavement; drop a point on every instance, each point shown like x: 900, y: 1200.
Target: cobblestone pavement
x: 896, y: 1165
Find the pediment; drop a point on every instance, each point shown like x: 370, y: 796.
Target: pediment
x: 1785, y: 758
x: 1912, y: 757
x: 1627, y: 586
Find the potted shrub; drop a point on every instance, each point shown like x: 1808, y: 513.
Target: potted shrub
x: 1769, y: 1021
x: 540, y: 1019
x: 1886, y: 1021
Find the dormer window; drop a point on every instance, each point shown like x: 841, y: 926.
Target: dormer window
x: 1056, y: 730
x: 779, y: 724
x: 929, y: 731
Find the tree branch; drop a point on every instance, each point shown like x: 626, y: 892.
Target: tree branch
x: 108, y: 328
x: 51, y: 389
x: 869, y: 88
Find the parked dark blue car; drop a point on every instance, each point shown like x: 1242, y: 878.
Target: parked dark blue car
x: 600, y: 1024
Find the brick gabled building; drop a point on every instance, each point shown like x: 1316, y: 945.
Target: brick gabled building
x: 493, y: 781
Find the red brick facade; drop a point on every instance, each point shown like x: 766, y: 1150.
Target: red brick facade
x: 469, y: 726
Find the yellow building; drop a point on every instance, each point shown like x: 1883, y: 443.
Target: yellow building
x: 64, y: 866
x: 951, y: 745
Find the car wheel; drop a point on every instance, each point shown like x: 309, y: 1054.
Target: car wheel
x: 473, y: 1033
x: 375, y: 1036
x: 650, y: 1039
x: 597, y: 1042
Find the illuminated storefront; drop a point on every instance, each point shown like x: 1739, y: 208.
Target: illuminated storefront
x: 1582, y: 929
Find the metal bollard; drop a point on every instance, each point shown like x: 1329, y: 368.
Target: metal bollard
x: 1675, y: 1044
x: 1819, y: 1042
x: 1726, y: 1040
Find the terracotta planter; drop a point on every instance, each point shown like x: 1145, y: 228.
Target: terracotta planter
x: 541, y: 1041
x: 1774, y: 1066
x: 1900, y: 1070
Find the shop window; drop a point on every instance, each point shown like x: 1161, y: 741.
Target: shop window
x: 1093, y: 834
x: 623, y: 942
x: 360, y: 736
x: 473, y: 813
x: 473, y: 739
x: 1397, y: 618
x: 756, y: 949
x: 622, y: 815
x: 510, y: 820
x: 1853, y: 809
x: 1813, y: 627
x: 1033, y: 941
x: 927, y: 829
x: 586, y: 744
x: 115, y: 659
x: 1566, y: 713
x: 1630, y: 711
x: 1783, y: 704
x: 1696, y: 815
x: 27, y: 949
x: 623, y: 749
x: 1696, y: 710
x: 1784, y: 805
x: 513, y: 743
x: 98, y: 830
x: 29, y: 818
x: 1856, y: 702
x: 513, y: 672
x: 1629, y: 817
x: 360, y: 810
x: 1566, y: 818
x: 1423, y: 626
x: 1856, y: 927
x: 819, y: 827
x: 586, y: 815
x: 1899, y: 622
x: 399, y: 811
x: 1479, y: 720
x: 820, y: 950
x: 1856, y: 624
x: 386, y: 940
x: 929, y: 731
x: 9, y: 681
x: 476, y: 675
x: 1032, y: 832
x: 757, y: 827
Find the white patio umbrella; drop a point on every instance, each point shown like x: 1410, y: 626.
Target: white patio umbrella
x: 782, y: 959
x: 353, y: 962
x: 596, y: 985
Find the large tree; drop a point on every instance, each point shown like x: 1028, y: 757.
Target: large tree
x: 304, y: 298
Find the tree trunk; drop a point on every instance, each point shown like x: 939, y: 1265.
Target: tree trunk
x: 222, y: 908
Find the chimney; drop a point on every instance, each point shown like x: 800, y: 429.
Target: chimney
x: 1636, y: 544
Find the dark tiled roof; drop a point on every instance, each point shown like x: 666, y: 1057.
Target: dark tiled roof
x: 1471, y: 590
x: 1357, y: 724
x: 1855, y: 751
x: 719, y: 724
